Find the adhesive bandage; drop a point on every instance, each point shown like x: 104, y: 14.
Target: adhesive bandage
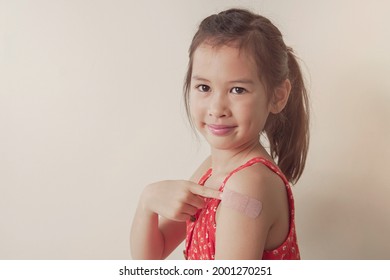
x: 242, y: 203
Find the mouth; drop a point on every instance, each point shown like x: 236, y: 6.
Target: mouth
x: 220, y: 130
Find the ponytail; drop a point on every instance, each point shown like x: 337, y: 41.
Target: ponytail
x: 288, y: 131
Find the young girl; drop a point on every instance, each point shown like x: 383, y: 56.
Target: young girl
x: 242, y: 81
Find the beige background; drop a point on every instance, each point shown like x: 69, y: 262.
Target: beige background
x: 91, y: 112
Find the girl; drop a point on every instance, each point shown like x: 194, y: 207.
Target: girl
x: 242, y: 81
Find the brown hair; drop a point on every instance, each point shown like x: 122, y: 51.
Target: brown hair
x: 287, y: 131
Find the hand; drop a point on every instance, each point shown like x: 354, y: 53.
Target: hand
x: 177, y: 200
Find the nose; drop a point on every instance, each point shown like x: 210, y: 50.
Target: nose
x: 218, y: 106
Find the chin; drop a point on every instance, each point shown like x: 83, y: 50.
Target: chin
x: 221, y: 144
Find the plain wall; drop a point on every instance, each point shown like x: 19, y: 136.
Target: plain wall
x: 91, y: 112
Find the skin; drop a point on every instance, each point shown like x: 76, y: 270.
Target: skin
x: 229, y: 107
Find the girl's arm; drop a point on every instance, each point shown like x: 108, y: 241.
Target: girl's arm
x: 153, y: 237
x: 239, y: 236
x: 159, y: 223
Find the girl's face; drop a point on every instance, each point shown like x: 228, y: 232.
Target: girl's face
x: 228, y: 102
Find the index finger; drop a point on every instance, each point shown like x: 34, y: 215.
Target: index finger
x: 206, y: 192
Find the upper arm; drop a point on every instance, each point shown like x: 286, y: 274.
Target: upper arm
x: 239, y: 236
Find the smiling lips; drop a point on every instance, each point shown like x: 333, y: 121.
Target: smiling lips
x: 220, y: 130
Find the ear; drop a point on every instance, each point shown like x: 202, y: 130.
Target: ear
x: 280, y: 97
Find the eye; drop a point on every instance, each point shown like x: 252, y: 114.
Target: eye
x: 203, y: 88
x: 238, y: 90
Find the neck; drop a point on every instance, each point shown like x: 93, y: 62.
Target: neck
x: 224, y: 161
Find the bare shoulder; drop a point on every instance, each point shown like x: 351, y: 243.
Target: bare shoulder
x: 257, y: 181
x: 201, y: 170
x: 261, y: 183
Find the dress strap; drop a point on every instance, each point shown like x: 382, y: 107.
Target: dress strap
x: 251, y: 162
x: 204, y: 178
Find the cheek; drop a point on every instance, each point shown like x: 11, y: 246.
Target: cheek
x: 252, y: 115
x: 245, y: 111
x: 196, y: 107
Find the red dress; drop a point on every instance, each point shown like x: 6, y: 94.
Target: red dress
x: 200, y: 239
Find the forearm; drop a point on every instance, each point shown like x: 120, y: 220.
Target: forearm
x: 146, y: 239
x: 175, y: 202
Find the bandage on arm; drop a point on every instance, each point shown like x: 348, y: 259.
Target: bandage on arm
x: 244, y: 204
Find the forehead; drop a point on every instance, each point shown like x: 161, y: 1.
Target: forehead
x: 224, y: 60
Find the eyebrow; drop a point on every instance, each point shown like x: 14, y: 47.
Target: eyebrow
x: 198, y: 78
x: 238, y: 81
